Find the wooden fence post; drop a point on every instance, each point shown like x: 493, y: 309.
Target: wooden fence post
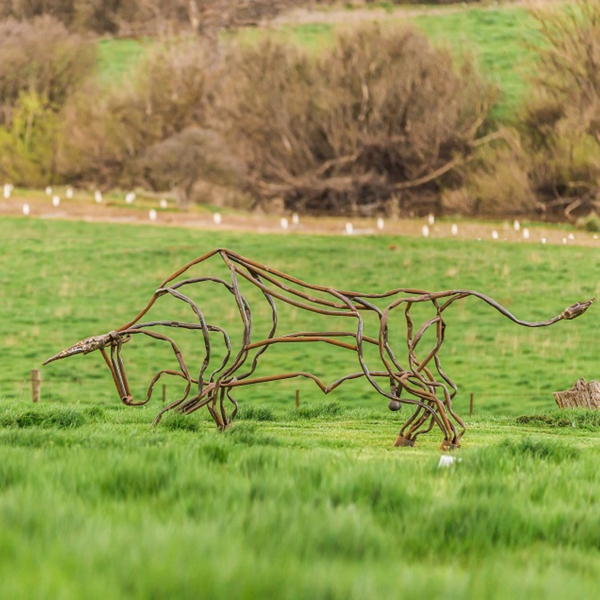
x: 164, y: 396
x: 297, y: 398
x: 36, y: 385
x: 471, y: 405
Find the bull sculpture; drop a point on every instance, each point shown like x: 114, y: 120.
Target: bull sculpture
x: 413, y: 384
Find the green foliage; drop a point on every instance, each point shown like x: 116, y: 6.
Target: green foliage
x: 42, y: 64
x: 28, y: 146
x: 540, y: 449
x: 503, y: 42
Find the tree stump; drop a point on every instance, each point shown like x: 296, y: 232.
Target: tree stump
x: 581, y: 395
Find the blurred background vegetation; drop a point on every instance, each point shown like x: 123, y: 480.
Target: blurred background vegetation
x: 478, y: 110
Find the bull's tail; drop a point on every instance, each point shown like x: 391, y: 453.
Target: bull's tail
x: 571, y: 312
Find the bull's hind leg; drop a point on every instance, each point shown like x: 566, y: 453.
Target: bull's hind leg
x: 405, y: 438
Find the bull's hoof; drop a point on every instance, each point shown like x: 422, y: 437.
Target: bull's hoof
x: 447, y: 446
x: 402, y: 441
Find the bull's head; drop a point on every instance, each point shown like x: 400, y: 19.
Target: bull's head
x: 112, y: 340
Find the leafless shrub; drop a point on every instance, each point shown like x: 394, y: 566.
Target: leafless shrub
x: 554, y: 153
x: 562, y: 121
x: 179, y: 162
x: 41, y: 64
x: 497, y: 181
x: 381, y: 115
x: 41, y: 57
x: 105, y: 131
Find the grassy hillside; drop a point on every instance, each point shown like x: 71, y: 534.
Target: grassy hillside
x: 501, y: 42
x: 118, y: 57
x: 499, y: 39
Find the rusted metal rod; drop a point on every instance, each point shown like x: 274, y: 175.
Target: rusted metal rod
x: 421, y: 382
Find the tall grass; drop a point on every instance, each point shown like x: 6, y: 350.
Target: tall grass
x: 283, y: 509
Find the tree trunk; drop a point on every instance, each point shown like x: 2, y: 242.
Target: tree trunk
x: 581, y: 395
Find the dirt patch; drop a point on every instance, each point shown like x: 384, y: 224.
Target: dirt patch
x: 84, y: 208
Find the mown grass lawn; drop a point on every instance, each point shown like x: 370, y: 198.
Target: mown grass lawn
x: 293, y: 504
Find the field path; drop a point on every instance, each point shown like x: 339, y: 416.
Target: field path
x: 83, y: 208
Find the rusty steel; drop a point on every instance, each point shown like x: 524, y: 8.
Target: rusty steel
x: 413, y: 384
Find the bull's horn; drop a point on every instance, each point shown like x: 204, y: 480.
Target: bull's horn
x: 85, y: 346
x: 76, y: 349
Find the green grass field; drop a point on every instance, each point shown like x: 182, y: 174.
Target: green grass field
x: 293, y: 504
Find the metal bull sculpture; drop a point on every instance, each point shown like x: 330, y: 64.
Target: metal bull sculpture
x: 413, y: 383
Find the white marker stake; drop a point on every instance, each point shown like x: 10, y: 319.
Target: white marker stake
x: 454, y: 229
x: 564, y: 241
x: 380, y: 224
x: 295, y: 219
x: 525, y: 233
x: 164, y: 203
x: 98, y: 196
x: 571, y: 236
x: 69, y: 192
x: 26, y: 209
x: 446, y: 461
x: 152, y: 214
x: 49, y: 191
x: 543, y: 240
x: 595, y: 236
x: 517, y: 225
x: 129, y: 198
x: 495, y: 235
x: 7, y: 190
x: 55, y: 201
x: 284, y: 223
x: 425, y: 231
x: 431, y: 219
x: 217, y: 218
x: 349, y: 228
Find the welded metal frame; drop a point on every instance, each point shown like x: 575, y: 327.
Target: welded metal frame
x: 413, y: 384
